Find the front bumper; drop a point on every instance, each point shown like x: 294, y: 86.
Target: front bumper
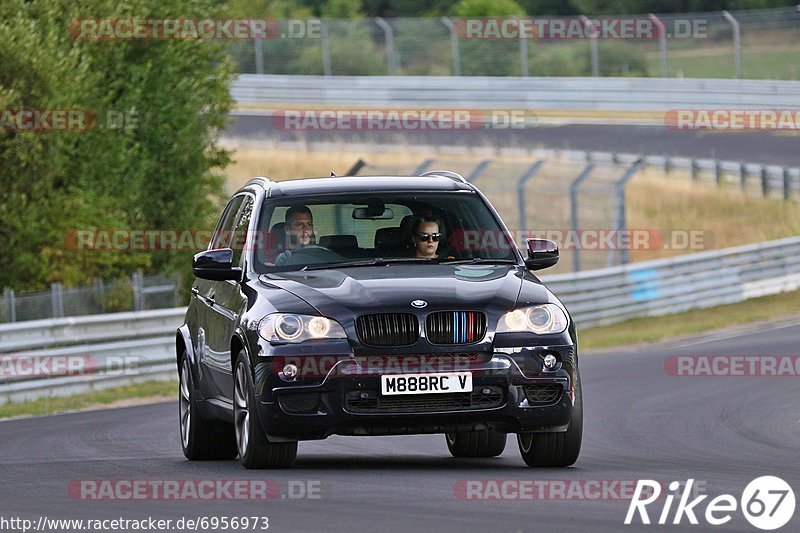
x: 508, y: 396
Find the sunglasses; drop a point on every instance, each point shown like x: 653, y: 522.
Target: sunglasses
x: 429, y: 236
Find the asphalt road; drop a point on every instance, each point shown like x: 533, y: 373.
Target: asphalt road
x: 770, y: 147
x: 641, y: 423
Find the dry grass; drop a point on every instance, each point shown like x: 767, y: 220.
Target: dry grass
x: 149, y: 392
x: 288, y: 164
x: 725, y: 216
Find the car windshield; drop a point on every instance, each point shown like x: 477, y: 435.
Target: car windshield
x: 378, y: 229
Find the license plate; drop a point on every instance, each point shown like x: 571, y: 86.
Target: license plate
x: 440, y: 383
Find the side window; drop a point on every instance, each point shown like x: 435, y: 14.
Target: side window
x: 240, y: 230
x: 222, y: 236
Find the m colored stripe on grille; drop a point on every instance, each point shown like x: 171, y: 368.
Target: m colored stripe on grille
x: 455, y: 327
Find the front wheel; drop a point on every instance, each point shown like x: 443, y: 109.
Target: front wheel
x: 556, y: 449
x: 478, y: 443
x: 255, y: 451
x: 200, y: 439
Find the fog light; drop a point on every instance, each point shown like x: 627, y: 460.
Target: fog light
x: 290, y: 371
x: 550, y: 361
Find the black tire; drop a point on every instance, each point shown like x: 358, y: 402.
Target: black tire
x: 556, y: 449
x: 201, y: 440
x: 478, y: 443
x: 255, y: 451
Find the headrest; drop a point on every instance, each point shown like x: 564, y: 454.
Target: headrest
x: 386, y: 238
x: 339, y: 241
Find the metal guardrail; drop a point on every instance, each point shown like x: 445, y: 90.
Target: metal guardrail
x: 674, y: 285
x: 107, y: 344
x: 62, y: 356
x: 621, y: 94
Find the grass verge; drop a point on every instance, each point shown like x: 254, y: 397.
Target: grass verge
x: 651, y: 329
x: 112, y: 397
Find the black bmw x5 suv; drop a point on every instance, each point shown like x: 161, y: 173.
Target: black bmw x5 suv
x: 374, y: 306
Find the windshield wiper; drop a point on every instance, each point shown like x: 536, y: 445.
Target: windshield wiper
x: 476, y: 260
x: 378, y: 261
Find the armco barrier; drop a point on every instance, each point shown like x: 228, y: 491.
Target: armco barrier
x: 595, y: 297
x: 667, y: 286
x: 111, y: 349
x: 621, y: 94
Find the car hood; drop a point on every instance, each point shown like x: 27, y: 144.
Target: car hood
x: 347, y: 292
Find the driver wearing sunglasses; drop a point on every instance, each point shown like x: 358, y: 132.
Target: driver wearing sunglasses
x: 425, y: 237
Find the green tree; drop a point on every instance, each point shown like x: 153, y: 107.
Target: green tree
x: 488, y: 8
x: 158, y: 169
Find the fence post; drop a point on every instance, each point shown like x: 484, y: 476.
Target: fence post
x: 478, y: 170
x: 100, y: 289
x: 136, y: 282
x: 356, y: 168
x: 423, y: 167
x: 742, y: 176
x: 533, y: 169
x: 737, y: 42
x: 56, y: 300
x: 8, y: 296
x: 695, y: 170
x: 523, y: 53
x: 391, y: 63
x: 573, y: 211
x: 326, y: 49
x: 177, y: 292
x: 662, y: 45
x: 453, y: 45
x: 786, y: 190
x: 718, y: 171
x: 622, y: 222
x: 591, y: 32
x: 764, y: 181
x: 259, y: 49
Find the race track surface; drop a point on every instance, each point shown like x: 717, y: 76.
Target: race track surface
x: 641, y: 423
x: 769, y: 147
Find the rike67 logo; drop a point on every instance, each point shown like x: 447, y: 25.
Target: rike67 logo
x: 767, y: 502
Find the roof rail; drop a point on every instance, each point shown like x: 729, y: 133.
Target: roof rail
x: 455, y: 176
x: 260, y: 180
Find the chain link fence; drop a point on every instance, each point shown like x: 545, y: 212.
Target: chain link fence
x: 137, y: 293
x: 558, y: 198
x: 758, y: 44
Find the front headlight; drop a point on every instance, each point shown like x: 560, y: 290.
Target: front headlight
x: 539, y: 319
x: 285, y: 327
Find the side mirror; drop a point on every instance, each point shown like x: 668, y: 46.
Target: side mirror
x: 542, y: 253
x: 216, y: 265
